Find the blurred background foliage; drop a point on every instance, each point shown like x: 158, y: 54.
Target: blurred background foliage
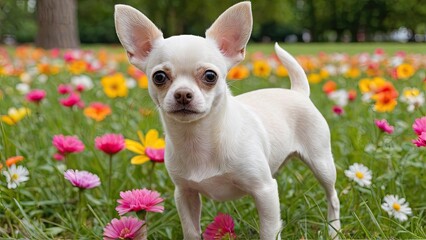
x: 274, y: 20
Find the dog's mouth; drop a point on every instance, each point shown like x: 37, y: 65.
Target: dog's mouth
x: 184, y: 111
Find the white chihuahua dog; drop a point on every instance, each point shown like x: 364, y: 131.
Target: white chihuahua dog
x: 218, y: 145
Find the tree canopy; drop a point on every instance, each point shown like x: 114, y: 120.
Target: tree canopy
x: 324, y: 20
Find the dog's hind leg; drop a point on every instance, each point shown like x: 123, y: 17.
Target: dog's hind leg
x: 322, y: 165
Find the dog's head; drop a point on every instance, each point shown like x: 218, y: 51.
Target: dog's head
x: 187, y: 74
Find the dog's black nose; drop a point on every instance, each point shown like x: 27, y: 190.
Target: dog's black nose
x: 183, y: 96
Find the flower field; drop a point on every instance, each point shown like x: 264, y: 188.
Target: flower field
x: 82, y: 148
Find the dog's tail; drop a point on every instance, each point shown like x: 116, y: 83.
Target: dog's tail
x: 298, y: 79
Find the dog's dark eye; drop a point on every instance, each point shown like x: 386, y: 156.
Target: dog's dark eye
x: 159, y: 78
x: 210, y: 77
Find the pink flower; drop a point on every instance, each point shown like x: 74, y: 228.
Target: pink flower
x: 72, y: 100
x: 125, y: 228
x: 384, y: 126
x: 66, y: 145
x: 421, y: 140
x: 110, y: 143
x: 338, y: 110
x: 82, y: 179
x: 155, y: 155
x: 139, y: 200
x: 221, y: 228
x: 419, y: 125
x: 64, y: 89
x: 36, y: 96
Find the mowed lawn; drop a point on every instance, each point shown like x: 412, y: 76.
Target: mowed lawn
x: 351, y: 84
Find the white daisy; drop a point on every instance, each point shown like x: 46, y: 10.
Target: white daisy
x: 15, y: 175
x: 84, y: 80
x: 340, y: 97
x: 360, y: 174
x: 396, y: 207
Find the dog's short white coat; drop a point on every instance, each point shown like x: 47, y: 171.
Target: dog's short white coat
x: 226, y: 147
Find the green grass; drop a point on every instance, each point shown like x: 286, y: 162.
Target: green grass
x: 45, y: 207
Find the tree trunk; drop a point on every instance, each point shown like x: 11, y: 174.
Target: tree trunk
x: 57, y: 24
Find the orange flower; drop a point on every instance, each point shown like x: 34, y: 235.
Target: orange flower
x: 314, y: 78
x: 404, y: 71
x: 77, y: 67
x: 281, y: 71
x: 329, y: 87
x: 238, y: 72
x: 14, y: 160
x: 97, y: 111
x: 261, y: 68
x: 47, y: 69
x: 353, y: 72
x: 385, y: 97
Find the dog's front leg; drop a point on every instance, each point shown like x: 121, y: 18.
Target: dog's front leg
x: 268, y: 206
x: 188, y: 204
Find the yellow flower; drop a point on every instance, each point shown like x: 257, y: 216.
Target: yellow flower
x: 143, y: 81
x: 404, y: 71
x: 261, y: 68
x: 314, y: 78
x: 238, y: 72
x: 77, y: 67
x: 324, y: 73
x: 114, y: 85
x: 151, y: 140
x: 353, y: 72
x: 281, y: 71
x: 370, y: 85
x: 15, y: 115
x: 411, y: 92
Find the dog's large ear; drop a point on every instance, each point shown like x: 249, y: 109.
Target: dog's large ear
x: 136, y: 32
x: 231, y: 31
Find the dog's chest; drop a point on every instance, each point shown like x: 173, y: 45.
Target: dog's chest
x: 219, y: 188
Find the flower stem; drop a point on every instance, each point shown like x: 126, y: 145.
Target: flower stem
x: 151, y: 172
x: 109, y: 185
x: 80, y: 207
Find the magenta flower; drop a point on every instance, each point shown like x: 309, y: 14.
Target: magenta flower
x: 221, y: 228
x: 82, y: 179
x: 66, y: 145
x: 139, y: 200
x: 125, y: 228
x: 64, y: 89
x: 338, y: 110
x: 36, y: 96
x: 110, y: 143
x: 155, y: 155
x: 72, y: 100
x: 384, y: 126
x: 421, y: 140
x: 419, y: 125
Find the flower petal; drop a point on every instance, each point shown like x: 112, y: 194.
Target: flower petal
x: 140, y: 159
x: 134, y: 146
x: 151, y: 138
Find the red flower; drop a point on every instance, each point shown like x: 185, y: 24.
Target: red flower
x: 64, y: 89
x: 338, y: 110
x: 384, y: 126
x: 36, y: 95
x: 124, y: 228
x: 110, y: 143
x: 419, y: 125
x: 139, y: 200
x: 421, y: 140
x: 72, y: 100
x: 66, y: 145
x: 221, y: 228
